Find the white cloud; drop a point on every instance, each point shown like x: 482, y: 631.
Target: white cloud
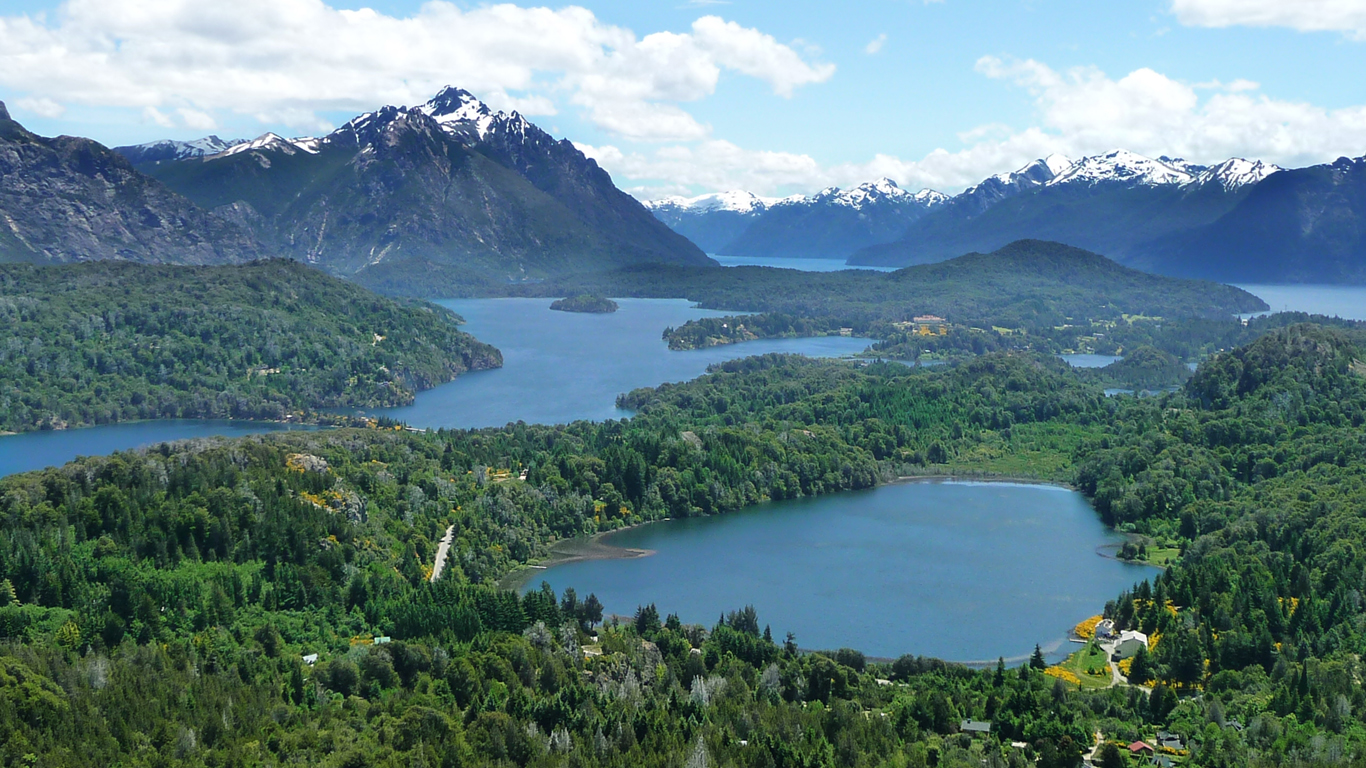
x: 875, y: 45
x: 193, y: 118
x: 154, y: 115
x: 43, y: 107
x: 1081, y: 111
x: 289, y: 60
x: 1348, y: 16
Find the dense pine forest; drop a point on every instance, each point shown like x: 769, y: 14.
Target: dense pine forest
x: 199, y: 579
x: 100, y: 342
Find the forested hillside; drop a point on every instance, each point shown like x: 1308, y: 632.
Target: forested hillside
x: 195, y: 577
x: 101, y: 342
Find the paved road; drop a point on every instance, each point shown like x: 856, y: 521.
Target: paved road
x: 441, y: 551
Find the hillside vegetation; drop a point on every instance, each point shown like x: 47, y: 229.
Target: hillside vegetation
x: 101, y: 342
x: 194, y: 577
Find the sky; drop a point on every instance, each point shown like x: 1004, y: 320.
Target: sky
x: 694, y: 96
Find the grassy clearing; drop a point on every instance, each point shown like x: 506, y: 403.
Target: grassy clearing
x: 1087, y: 660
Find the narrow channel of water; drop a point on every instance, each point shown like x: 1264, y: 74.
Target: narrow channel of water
x: 961, y: 571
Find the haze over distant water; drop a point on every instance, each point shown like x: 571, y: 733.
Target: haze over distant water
x: 1345, y: 301
x: 960, y: 571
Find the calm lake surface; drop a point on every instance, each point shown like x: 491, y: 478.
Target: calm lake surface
x: 563, y: 366
x: 1345, y: 301
x: 961, y: 571
x: 35, y: 450
x: 558, y: 367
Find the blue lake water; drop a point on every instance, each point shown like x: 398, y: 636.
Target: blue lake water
x: 1345, y: 301
x: 563, y: 366
x: 35, y: 450
x: 804, y: 265
x: 960, y: 571
x: 558, y: 367
x: 1090, y: 361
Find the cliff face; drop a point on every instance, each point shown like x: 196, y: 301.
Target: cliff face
x: 70, y: 199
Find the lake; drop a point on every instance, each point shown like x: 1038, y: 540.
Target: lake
x: 35, y: 450
x: 1345, y: 301
x: 957, y: 570
x: 557, y: 367
x: 1082, y: 360
x: 563, y: 366
x: 802, y: 265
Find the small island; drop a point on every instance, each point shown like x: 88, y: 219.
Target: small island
x: 585, y: 303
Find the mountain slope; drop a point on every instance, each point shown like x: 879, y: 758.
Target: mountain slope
x: 448, y: 192
x: 69, y: 199
x: 1304, y: 225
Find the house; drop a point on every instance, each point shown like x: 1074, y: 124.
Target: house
x: 975, y: 727
x: 1161, y: 761
x: 1170, y: 741
x: 1234, y: 724
x: 1129, y: 643
x: 1140, y: 747
x: 311, y: 659
x: 1105, y: 630
x: 382, y: 640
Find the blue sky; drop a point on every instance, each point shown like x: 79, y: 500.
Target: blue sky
x: 689, y: 97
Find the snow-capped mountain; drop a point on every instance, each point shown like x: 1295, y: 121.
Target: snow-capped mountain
x: 169, y: 149
x: 1126, y: 167
x: 1236, y: 173
x: 431, y: 198
x: 735, y: 201
x: 994, y: 189
x: 271, y: 141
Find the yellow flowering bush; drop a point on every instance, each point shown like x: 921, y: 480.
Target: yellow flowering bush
x: 1087, y: 629
x: 1065, y: 675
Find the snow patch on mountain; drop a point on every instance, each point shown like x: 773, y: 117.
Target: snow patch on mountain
x: 1236, y: 173
x: 736, y: 200
x: 182, y: 150
x: 459, y: 110
x: 1124, y: 166
x: 271, y: 141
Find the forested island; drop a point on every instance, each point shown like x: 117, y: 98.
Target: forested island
x: 586, y: 302
x: 100, y: 342
x: 201, y: 579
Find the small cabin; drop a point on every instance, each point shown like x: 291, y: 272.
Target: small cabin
x: 975, y: 727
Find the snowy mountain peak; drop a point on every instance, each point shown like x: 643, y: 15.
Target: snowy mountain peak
x: 1057, y: 164
x: 271, y: 141
x: 179, y: 150
x: 1236, y: 173
x: 455, y: 108
x: 736, y: 200
x: 1126, y: 167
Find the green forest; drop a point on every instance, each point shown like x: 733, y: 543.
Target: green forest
x: 199, y: 579
x: 100, y: 342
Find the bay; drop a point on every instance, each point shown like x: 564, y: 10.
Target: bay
x: 564, y: 366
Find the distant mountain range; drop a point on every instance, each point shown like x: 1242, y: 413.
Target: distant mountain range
x: 830, y: 224
x: 1240, y: 220
x: 449, y: 193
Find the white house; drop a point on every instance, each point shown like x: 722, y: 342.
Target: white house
x: 1129, y: 643
x: 1105, y: 630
